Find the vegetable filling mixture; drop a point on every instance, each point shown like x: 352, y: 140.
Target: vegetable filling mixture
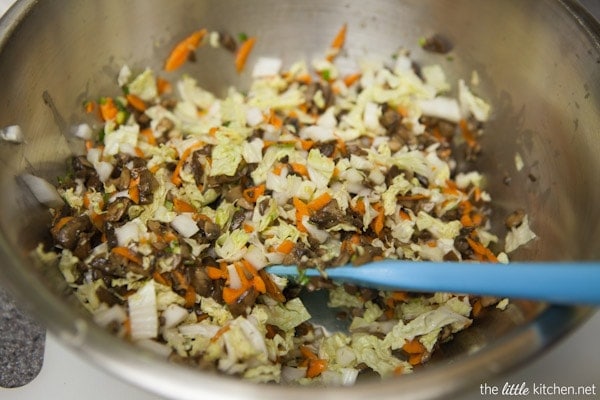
x: 184, y: 198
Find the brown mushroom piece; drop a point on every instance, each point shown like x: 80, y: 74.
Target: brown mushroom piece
x: 68, y: 234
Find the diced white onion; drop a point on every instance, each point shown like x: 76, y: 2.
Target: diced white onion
x: 235, y: 281
x: 114, y: 314
x: 254, y: 116
x: 200, y: 329
x: 104, y: 170
x: 12, y: 133
x: 161, y: 349
x: 441, y: 107
x: 292, y: 374
x: 44, y: 192
x: 317, y: 133
x: 83, y: 131
x: 315, y: 232
x: 127, y: 233
x: 256, y: 257
x: 142, y: 312
x: 173, y: 315
x: 185, y: 225
x: 266, y: 66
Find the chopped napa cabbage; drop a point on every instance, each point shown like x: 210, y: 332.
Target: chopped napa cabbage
x: 143, y: 312
x: 434, y: 76
x: 272, y: 155
x: 320, y: 168
x: 439, y: 228
x: 339, y: 297
x: 471, y: 104
x: 288, y: 315
x: 376, y: 354
x: 271, y: 212
x: 399, y: 186
x: 226, y: 158
x: 231, y: 246
x: 219, y: 313
x: 119, y: 139
x: 425, y: 323
x: 144, y: 85
x: 519, y: 236
x: 190, y: 92
x: 68, y: 266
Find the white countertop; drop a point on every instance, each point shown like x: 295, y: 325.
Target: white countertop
x: 572, y: 362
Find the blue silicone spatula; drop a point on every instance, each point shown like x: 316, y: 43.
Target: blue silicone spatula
x: 553, y: 282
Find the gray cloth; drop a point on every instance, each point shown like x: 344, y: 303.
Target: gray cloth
x: 21, y: 344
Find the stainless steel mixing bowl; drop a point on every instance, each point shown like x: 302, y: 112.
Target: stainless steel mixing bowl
x: 539, y: 65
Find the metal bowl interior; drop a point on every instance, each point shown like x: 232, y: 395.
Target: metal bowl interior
x: 538, y: 66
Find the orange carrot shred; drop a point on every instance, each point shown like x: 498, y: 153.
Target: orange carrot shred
x: 413, y: 347
x: 241, y: 56
x: 299, y: 168
x: 351, y: 79
x: 175, y: 178
x: 127, y: 253
x: 134, y: 190
x: 182, y: 206
x: 182, y: 50
x: 316, y: 367
x: 252, y: 194
x: 136, y: 102
x: 319, y: 202
x: 285, y: 247
x: 108, y: 109
x: 337, y: 43
x: 301, y: 211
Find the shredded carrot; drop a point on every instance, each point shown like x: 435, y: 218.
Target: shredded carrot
x: 359, y: 207
x: 301, y: 211
x: 182, y: 50
x: 337, y: 43
x: 182, y: 206
x: 379, y: 220
x: 252, y: 194
x: 127, y: 253
x: 319, y: 202
x: 415, y: 359
x: 149, y: 135
x: 61, y: 222
x: 306, y: 144
x: 413, y: 197
x: 271, y: 289
x: 157, y: 276
x: 413, y: 347
x: 285, y: 247
x: 189, y: 297
x: 241, y: 56
x: 134, y: 190
x: 400, y: 296
x: 304, y: 78
x: 89, y: 106
x: 136, y: 102
x: 163, y: 86
x: 351, y: 79
x: 467, y: 134
x: 175, y: 178
x: 316, y: 367
x: 299, y: 168
x: 220, y: 333
x: 404, y: 215
x: 215, y: 273
x: 275, y: 120
x: 477, y: 307
x: 108, y: 109
x: 248, y: 228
